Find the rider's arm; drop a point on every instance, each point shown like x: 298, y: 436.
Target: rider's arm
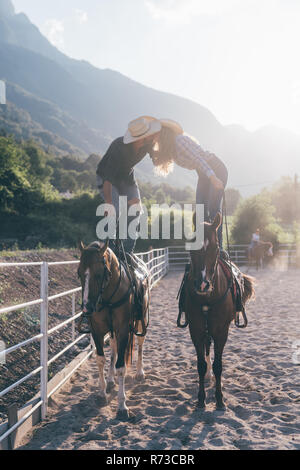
x: 107, y: 192
x: 191, y: 155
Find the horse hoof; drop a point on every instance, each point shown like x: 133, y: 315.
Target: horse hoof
x: 200, y: 406
x: 220, y: 407
x: 110, y: 386
x: 123, y: 415
x: 140, y: 377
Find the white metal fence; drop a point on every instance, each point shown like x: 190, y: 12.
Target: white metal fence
x: 157, y: 263
x: 285, y: 254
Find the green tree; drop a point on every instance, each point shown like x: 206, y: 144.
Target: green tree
x: 252, y: 213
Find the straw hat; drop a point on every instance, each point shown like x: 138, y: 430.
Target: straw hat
x: 172, y: 125
x: 140, y: 128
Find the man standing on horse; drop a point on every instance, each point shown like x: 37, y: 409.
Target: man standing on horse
x: 115, y: 172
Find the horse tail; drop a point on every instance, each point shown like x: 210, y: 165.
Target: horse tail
x: 129, y: 349
x: 249, y: 290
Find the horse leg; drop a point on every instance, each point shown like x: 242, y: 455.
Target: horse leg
x: 140, y: 375
x: 139, y: 368
x: 219, y: 343
x: 197, y: 332
x: 122, y: 342
x: 202, y: 367
x: 100, y: 359
x: 112, y: 369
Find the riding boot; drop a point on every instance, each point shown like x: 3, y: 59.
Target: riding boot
x: 84, y: 323
x: 181, y: 301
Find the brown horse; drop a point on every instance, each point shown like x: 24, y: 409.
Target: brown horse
x: 209, y: 308
x: 108, y: 298
x: 258, y: 253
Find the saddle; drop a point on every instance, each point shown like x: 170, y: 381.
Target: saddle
x: 233, y: 274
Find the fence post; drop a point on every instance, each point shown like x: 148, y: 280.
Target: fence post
x: 44, y: 339
x: 167, y: 260
x: 73, y: 313
x: 12, y: 416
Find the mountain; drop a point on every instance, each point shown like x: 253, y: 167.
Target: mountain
x: 75, y: 105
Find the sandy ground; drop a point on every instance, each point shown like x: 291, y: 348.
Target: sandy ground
x: 260, y: 378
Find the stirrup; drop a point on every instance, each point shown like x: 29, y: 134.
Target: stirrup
x: 179, y: 324
x: 237, y: 319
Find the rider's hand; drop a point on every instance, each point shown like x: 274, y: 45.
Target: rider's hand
x: 217, y: 183
x: 110, y: 211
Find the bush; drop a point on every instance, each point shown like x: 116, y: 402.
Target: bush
x: 252, y: 213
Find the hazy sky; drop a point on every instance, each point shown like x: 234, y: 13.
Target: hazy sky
x: 239, y: 58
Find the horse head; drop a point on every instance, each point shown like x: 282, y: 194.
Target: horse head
x: 94, y: 273
x: 204, y: 261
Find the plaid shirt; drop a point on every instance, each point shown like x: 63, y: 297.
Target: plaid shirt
x: 190, y: 155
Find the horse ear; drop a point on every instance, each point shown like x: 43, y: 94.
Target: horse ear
x: 81, y: 246
x: 218, y: 220
x: 104, y: 248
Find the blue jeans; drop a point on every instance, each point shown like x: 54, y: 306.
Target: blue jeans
x: 207, y: 195
x: 132, y: 192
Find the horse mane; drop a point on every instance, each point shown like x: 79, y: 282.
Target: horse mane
x: 95, y: 245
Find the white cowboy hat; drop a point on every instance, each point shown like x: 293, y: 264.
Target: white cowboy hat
x: 172, y: 125
x: 140, y: 128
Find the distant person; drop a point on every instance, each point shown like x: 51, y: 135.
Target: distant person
x: 255, y: 239
x: 172, y: 145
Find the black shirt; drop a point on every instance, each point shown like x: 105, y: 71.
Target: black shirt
x: 117, y: 164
